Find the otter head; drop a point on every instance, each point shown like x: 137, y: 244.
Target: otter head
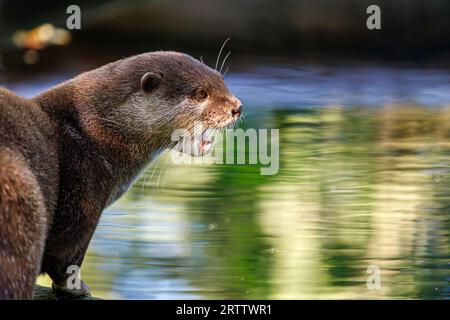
x: 161, y: 92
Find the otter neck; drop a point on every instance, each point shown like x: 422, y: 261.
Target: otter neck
x: 67, y: 107
x: 119, y: 159
x: 58, y: 102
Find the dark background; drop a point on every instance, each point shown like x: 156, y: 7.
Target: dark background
x: 414, y: 31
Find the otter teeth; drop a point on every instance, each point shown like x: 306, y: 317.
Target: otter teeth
x: 206, y: 146
x: 206, y: 143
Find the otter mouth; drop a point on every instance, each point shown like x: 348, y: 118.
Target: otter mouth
x: 198, y: 142
x: 209, y: 135
x: 206, y: 141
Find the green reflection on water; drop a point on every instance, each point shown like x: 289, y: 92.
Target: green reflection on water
x: 356, y: 187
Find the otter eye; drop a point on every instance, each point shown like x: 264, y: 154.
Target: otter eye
x: 201, y: 94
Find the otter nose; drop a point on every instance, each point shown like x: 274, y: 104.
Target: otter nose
x: 237, y: 111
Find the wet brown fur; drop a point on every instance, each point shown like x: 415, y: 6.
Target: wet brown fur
x: 71, y: 151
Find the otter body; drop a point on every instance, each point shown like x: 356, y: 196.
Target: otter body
x: 71, y: 151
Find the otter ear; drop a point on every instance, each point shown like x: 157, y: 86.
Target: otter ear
x: 150, y: 81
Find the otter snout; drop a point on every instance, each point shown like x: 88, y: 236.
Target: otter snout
x: 236, y: 110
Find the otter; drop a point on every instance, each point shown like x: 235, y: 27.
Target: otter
x: 71, y: 151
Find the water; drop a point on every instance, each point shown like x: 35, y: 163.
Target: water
x: 364, y: 182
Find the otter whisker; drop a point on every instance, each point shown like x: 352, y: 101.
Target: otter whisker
x: 172, y: 169
x: 159, y: 177
x: 220, y: 52
x: 143, y: 186
x: 117, y: 123
x: 226, y: 70
x: 224, y: 60
x: 168, y: 168
x: 243, y: 120
x: 147, y: 181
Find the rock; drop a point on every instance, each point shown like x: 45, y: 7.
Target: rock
x: 46, y: 293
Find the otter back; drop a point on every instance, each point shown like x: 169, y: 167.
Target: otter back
x: 28, y: 191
